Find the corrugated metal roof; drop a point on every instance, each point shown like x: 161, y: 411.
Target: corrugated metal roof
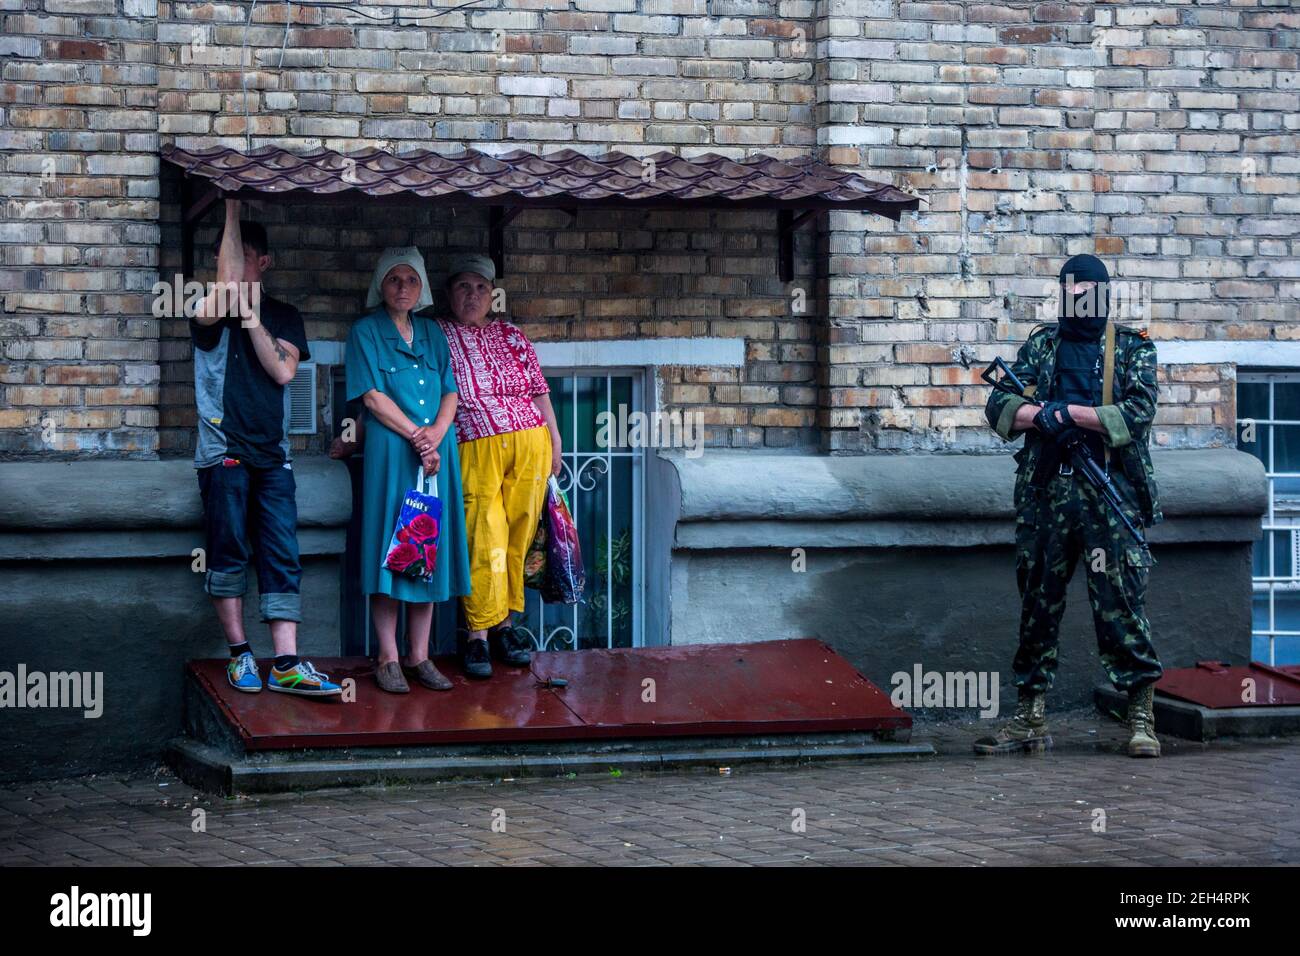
x: 564, y: 178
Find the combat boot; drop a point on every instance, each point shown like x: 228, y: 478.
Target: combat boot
x: 1142, y: 723
x: 1026, y: 731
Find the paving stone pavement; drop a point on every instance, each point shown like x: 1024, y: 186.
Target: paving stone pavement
x: 1225, y: 803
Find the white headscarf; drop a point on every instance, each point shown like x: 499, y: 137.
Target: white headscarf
x: 397, y: 256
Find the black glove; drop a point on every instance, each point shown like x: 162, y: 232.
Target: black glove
x: 1047, y: 421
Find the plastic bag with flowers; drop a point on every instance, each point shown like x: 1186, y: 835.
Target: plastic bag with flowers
x: 413, y: 548
x: 563, y: 576
x: 535, y: 558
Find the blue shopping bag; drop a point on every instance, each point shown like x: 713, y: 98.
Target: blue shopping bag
x: 413, y: 547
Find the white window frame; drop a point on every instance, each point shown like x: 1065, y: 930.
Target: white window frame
x: 1272, y: 583
x: 642, y: 400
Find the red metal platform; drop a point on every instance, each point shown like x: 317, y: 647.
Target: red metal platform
x: 771, y: 687
x: 1217, y: 685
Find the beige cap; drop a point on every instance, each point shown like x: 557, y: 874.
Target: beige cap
x: 474, y: 262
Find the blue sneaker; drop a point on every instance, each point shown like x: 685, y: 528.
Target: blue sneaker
x: 302, y: 679
x: 242, y: 673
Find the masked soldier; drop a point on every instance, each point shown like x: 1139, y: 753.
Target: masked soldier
x: 1088, y: 380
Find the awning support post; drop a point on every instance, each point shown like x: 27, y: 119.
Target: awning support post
x: 192, y: 211
x: 786, y: 223
x: 498, y: 218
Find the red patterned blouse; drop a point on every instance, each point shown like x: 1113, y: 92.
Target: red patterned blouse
x: 497, y: 375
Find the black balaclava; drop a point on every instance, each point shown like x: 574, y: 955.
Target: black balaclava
x: 1083, y: 315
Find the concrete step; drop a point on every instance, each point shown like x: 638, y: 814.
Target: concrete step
x: 1195, y: 722
x: 226, y: 771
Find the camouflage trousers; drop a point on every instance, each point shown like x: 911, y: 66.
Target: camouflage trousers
x: 1055, y: 528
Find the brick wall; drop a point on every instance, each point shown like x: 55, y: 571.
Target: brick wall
x: 78, y: 231
x: 1161, y: 136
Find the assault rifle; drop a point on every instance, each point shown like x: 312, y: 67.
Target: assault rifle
x: 1074, y: 446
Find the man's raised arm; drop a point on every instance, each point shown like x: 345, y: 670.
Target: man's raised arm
x: 217, y: 304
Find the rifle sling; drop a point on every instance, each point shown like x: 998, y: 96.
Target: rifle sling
x: 1108, y: 375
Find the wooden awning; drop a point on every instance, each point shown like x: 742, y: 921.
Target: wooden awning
x: 517, y: 180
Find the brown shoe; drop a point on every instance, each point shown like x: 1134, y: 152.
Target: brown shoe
x: 389, y: 677
x: 428, y: 675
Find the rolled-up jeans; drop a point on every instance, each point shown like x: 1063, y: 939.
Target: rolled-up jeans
x: 243, y: 504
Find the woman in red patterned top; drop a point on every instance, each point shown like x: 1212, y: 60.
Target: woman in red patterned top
x: 509, y: 447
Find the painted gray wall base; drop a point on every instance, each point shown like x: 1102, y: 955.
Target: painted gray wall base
x: 95, y: 575
x: 909, y: 560
x: 137, y: 622
x: 950, y: 609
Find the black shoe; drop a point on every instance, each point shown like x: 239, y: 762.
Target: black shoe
x: 475, y: 660
x: 509, y: 648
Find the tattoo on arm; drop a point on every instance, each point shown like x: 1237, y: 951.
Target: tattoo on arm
x: 280, y: 353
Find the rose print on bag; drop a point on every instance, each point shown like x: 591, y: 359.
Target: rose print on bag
x: 422, y: 527
x: 413, y: 548
x: 403, y: 556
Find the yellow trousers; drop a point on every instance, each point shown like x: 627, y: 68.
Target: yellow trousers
x: 504, y: 481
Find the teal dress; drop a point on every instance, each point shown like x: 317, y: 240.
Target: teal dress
x: 414, y: 376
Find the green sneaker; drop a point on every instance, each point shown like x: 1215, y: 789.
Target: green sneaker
x: 304, y: 680
x: 242, y: 674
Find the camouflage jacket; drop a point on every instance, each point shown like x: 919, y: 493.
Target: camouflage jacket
x: 1126, y: 423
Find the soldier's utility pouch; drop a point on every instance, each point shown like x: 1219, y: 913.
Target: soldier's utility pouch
x: 1049, y: 459
x: 1138, y: 563
x: 1139, y: 557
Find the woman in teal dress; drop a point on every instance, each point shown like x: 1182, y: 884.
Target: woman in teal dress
x: 399, y: 365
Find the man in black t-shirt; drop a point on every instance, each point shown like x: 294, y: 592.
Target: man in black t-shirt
x: 247, y: 346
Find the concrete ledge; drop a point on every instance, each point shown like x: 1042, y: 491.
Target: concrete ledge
x: 1193, y: 722
x: 723, y: 484
x: 746, y: 500
x: 214, y: 769
x: 137, y: 495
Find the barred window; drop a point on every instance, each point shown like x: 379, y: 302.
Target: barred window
x: 1268, y: 427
